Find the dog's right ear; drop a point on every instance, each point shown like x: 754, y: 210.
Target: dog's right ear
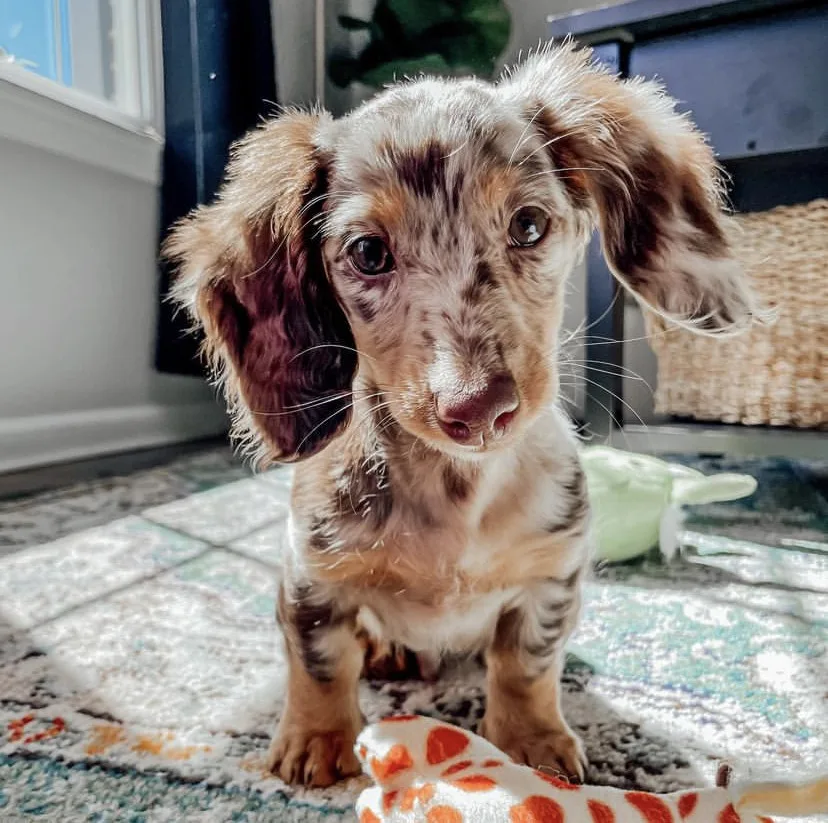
x: 251, y: 275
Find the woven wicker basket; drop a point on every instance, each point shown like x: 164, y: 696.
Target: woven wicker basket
x: 773, y: 375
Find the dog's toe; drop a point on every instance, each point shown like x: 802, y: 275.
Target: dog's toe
x: 558, y: 752
x: 315, y: 759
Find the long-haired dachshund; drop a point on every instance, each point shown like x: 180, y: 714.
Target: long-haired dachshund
x: 381, y: 297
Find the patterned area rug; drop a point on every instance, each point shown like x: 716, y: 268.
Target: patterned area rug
x: 140, y: 677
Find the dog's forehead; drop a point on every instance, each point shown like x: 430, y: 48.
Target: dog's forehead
x: 430, y: 119
x: 426, y: 152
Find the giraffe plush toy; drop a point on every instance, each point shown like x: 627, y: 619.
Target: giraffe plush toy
x: 426, y: 770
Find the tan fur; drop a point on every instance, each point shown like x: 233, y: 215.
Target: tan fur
x: 387, y: 208
x: 523, y: 715
x: 314, y: 743
x: 434, y: 544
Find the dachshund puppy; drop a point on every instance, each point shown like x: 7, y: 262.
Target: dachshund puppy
x: 381, y: 297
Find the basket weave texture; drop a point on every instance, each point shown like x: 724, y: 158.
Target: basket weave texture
x: 773, y: 375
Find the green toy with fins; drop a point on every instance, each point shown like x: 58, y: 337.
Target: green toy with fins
x: 637, y: 500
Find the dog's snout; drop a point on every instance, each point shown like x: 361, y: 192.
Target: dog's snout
x: 467, y: 415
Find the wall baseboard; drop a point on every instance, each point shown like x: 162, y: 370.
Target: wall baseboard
x: 28, y: 442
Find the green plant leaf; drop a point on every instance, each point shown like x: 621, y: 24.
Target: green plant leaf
x: 398, y: 69
x: 354, y: 23
x: 417, y: 16
x: 492, y: 22
x: 387, y: 24
x: 342, y: 69
x: 466, y: 48
x: 409, y: 37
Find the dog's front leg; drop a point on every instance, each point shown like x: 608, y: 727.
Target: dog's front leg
x: 315, y: 738
x: 523, y: 713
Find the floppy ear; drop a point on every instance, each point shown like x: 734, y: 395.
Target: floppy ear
x: 251, y: 274
x: 650, y: 179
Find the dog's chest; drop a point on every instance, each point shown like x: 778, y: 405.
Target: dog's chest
x: 457, y: 622
x: 451, y: 594
x: 454, y: 579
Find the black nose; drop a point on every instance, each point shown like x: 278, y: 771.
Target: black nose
x: 467, y: 414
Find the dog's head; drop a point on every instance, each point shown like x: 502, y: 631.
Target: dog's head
x: 424, y: 241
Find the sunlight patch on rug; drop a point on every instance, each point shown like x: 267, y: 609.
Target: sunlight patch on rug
x: 141, y: 658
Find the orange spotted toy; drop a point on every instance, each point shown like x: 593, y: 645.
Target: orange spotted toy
x: 427, y: 770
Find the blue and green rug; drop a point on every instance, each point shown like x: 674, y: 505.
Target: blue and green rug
x: 140, y: 675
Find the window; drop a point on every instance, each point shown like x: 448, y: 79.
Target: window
x: 102, y: 50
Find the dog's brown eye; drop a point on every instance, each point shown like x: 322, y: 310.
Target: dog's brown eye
x: 528, y: 226
x: 370, y: 256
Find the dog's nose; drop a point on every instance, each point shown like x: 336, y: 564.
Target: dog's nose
x: 466, y: 415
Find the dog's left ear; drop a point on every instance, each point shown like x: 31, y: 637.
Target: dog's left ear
x: 647, y: 175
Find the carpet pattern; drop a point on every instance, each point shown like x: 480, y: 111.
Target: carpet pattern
x: 140, y: 674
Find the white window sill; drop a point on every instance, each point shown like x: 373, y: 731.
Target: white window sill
x: 37, y: 112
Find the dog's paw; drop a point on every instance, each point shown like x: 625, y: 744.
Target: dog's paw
x: 314, y: 758
x: 555, y: 751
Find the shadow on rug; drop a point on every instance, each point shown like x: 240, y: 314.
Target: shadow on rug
x: 140, y: 674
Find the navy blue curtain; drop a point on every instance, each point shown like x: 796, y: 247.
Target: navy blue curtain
x: 219, y: 80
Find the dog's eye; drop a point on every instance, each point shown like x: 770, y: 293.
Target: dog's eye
x: 528, y: 226
x: 370, y: 256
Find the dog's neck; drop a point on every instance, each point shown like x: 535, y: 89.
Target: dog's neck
x: 420, y: 470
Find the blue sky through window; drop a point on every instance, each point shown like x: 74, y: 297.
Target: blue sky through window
x: 37, y: 34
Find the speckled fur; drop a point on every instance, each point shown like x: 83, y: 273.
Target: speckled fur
x: 394, y: 526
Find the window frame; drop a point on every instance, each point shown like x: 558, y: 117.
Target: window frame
x: 65, y: 121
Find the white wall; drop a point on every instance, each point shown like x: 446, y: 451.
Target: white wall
x: 529, y: 21
x: 77, y: 316
x: 293, y: 35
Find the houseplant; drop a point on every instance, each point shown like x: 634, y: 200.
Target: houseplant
x: 411, y: 37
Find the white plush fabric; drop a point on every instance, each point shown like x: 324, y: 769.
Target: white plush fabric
x: 428, y: 770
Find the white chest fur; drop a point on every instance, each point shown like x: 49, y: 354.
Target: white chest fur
x: 458, y: 623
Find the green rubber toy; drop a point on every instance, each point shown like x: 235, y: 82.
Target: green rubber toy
x: 637, y: 500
